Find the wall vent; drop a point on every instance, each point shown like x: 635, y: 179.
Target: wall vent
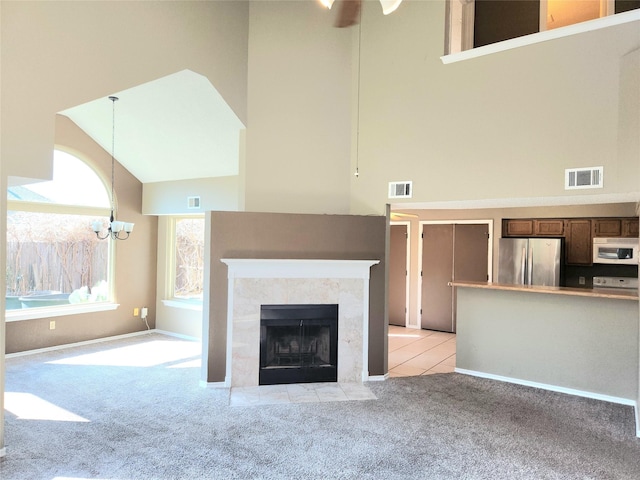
x: 590, y: 177
x: 193, y: 202
x: 400, y: 189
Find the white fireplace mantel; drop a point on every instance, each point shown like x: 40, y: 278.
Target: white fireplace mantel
x: 253, y: 282
x: 297, y: 268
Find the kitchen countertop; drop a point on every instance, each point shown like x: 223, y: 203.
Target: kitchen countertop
x: 614, y: 293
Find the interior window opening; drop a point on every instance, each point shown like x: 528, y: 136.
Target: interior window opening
x: 475, y: 23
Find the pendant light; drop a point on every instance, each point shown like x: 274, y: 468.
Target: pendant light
x: 117, y: 230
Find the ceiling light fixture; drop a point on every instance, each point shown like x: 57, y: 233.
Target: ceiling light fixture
x: 388, y: 6
x: 117, y: 230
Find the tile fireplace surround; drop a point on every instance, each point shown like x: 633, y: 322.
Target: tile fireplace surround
x: 256, y: 282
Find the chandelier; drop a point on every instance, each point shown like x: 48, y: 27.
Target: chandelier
x: 117, y: 230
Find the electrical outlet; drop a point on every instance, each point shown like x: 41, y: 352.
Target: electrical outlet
x: 136, y: 312
x: 144, y: 312
x: 52, y: 325
x: 581, y: 280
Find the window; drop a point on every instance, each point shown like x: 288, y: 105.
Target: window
x: 189, y: 259
x: 475, y: 23
x: 53, y: 257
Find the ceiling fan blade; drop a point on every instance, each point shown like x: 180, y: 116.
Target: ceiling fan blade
x: 349, y: 13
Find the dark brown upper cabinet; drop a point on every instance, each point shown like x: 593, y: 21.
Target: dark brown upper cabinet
x: 629, y: 227
x: 607, y: 227
x: 517, y: 228
x: 549, y: 227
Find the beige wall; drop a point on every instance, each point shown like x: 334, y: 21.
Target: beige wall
x: 581, y: 343
x: 299, y: 110
x: 170, y: 198
x: 629, y: 117
x: 500, y: 126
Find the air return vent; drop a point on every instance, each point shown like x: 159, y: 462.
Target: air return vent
x: 400, y: 189
x: 193, y: 202
x: 590, y: 177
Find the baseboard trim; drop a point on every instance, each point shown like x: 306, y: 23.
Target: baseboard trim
x: 177, y: 335
x: 100, y: 340
x: 552, y: 388
x: 378, y: 378
x: 205, y: 384
x: 77, y: 344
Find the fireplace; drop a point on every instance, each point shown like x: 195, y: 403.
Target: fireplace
x: 298, y: 344
x: 257, y: 282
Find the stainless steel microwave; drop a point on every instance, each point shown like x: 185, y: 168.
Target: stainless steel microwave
x: 622, y: 251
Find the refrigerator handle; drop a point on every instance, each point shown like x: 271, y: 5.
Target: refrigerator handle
x: 530, y: 266
x: 523, y: 270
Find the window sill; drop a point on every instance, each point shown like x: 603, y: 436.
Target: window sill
x: 184, y: 304
x: 597, y: 24
x: 46, y: 312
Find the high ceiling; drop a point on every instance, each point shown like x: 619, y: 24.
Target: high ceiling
x: 177, y: 127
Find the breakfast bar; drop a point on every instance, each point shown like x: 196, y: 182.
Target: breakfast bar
x: 578, y: 341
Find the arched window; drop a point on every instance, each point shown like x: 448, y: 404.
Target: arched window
x: 54, y: 259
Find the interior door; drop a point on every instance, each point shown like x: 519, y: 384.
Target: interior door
x: 450, y: 252
x: 470, y: 252
x: 398, y: 275
x: 470, y: 255
x: 436, y: 304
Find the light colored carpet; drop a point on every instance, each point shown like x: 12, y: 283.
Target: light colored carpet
x: 121, y: 411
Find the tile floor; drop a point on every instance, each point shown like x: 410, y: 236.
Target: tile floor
x: 299, y: 393
x: 420, y: 352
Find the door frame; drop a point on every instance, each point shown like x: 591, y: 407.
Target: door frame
x: 422, y: 223
x: 408, y: 268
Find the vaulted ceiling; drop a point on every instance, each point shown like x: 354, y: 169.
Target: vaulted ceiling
x: 177, y: 127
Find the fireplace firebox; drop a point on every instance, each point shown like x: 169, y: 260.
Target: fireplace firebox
x: 298, y: 344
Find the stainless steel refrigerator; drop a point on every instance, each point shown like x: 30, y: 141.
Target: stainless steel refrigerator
x: 530, y: 261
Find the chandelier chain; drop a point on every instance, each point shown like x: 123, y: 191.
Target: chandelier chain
x: 113, y: 147
x: 357, y: 173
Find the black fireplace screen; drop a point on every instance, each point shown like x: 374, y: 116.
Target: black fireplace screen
x: 298, y: 344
